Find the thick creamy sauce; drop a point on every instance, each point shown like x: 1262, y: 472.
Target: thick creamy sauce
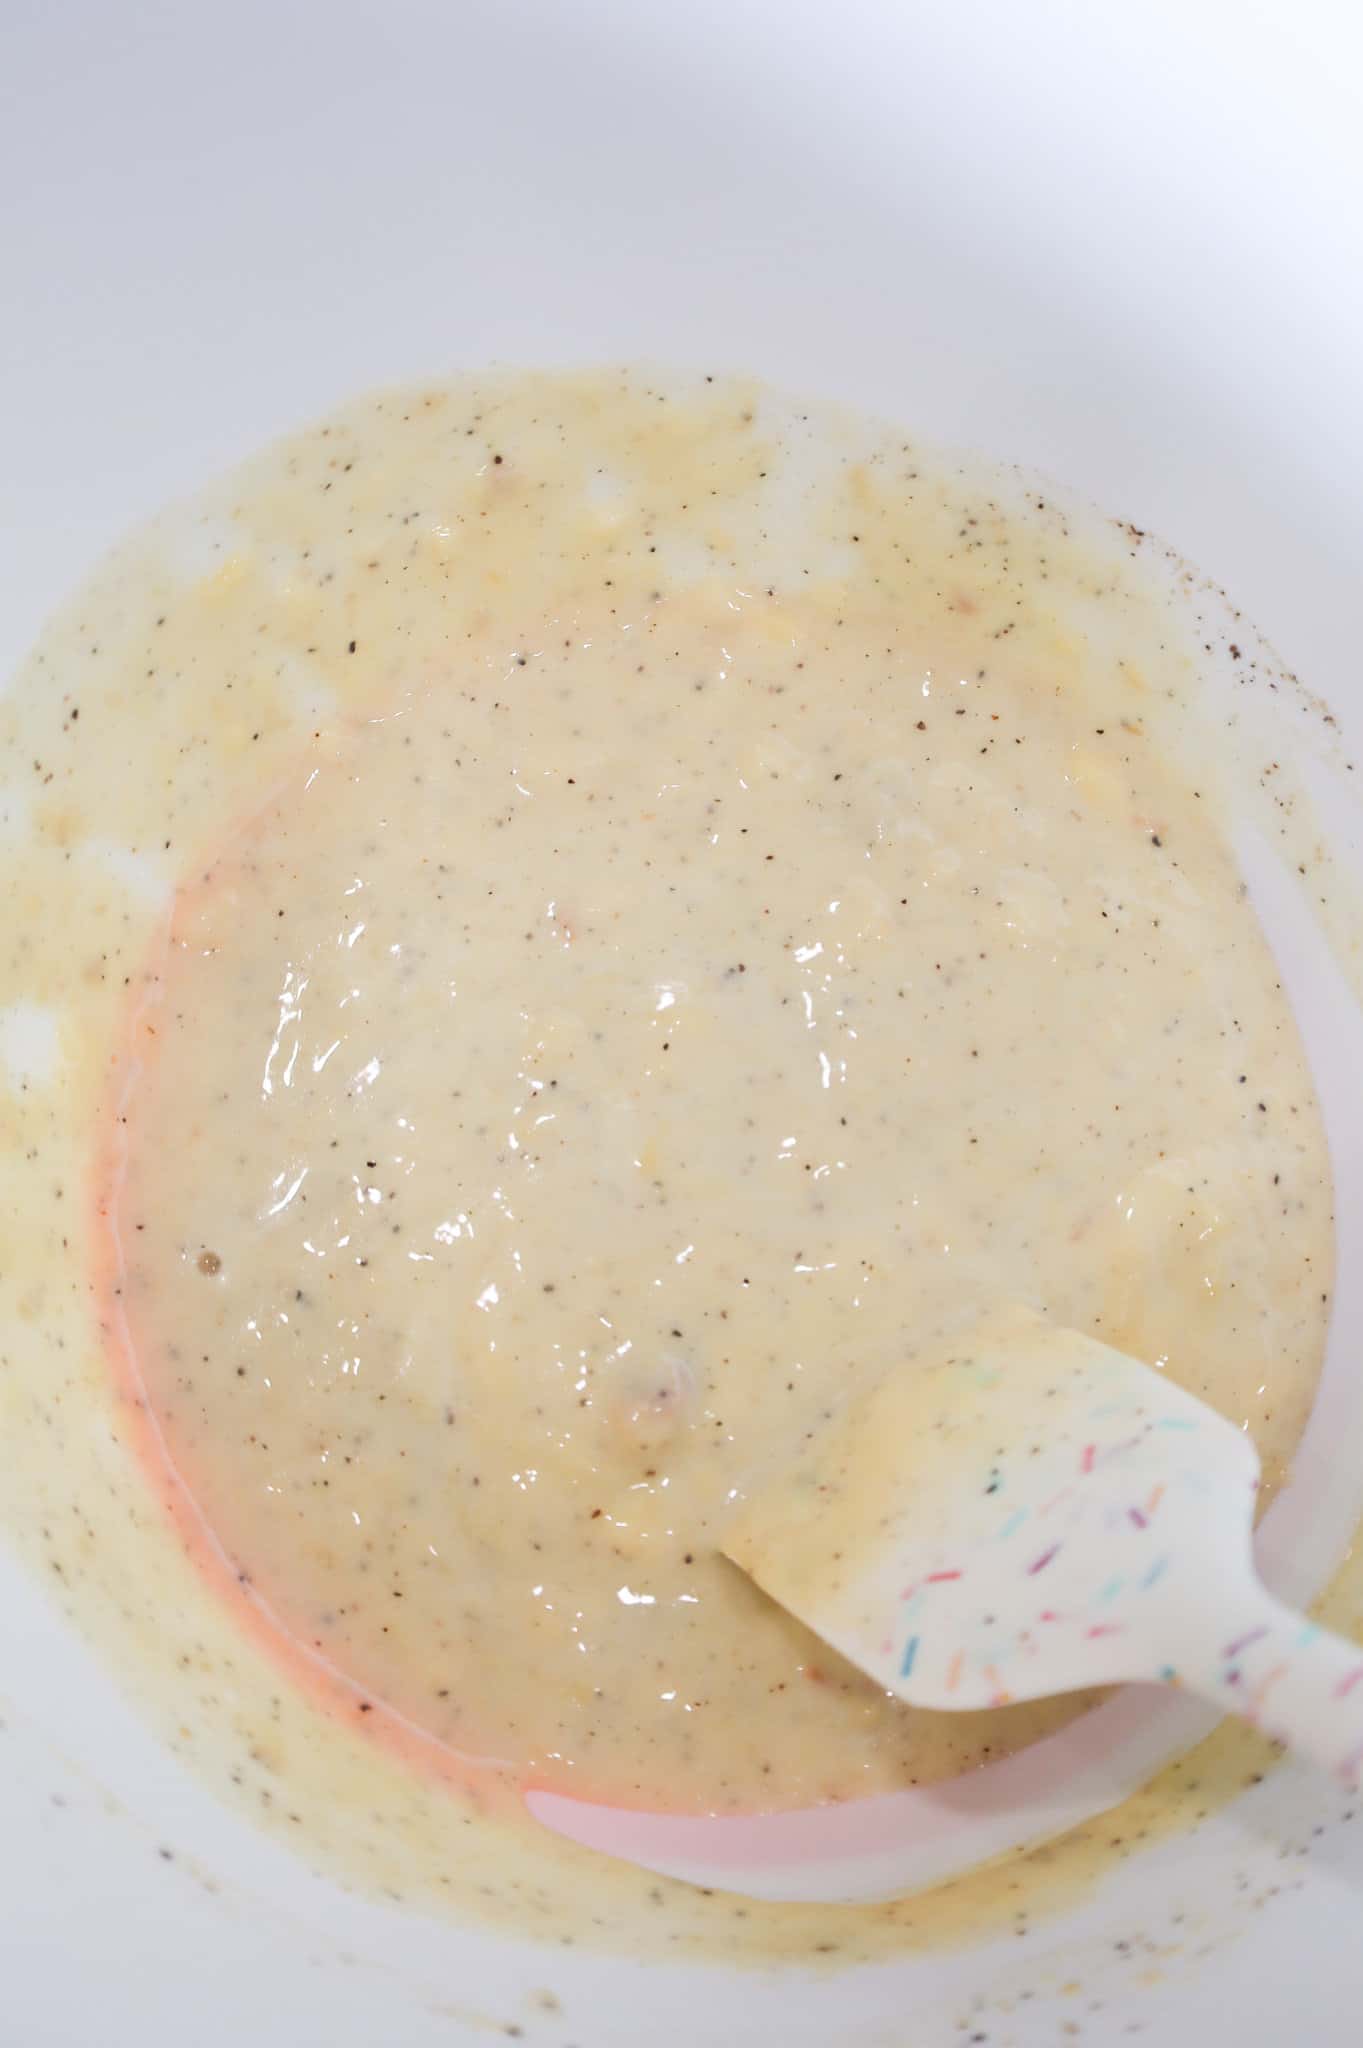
x: 616, y: 929
x: 579, y: 1078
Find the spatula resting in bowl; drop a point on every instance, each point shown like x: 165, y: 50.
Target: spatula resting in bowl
x: 1031, y: 1512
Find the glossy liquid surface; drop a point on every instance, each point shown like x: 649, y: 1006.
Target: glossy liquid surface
x: 639, y: 1021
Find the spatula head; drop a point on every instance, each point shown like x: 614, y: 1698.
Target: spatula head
x: 1008, y: 1518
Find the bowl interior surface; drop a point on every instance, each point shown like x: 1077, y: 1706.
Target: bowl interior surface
x: 1111, y: 245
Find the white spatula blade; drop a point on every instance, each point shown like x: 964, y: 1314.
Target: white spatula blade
x: 1009, y: 1518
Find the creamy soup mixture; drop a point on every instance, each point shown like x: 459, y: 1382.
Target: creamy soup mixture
x: 622, y: 913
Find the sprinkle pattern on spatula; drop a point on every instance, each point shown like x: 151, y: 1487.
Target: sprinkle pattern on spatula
x: 1032, y: 1512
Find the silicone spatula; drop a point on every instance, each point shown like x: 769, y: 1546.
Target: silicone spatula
x: 1030, y: 1512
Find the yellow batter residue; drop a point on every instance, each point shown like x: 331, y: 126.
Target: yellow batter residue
x: 619, y: 912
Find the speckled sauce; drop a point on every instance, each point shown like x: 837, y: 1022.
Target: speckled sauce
x: 559, y: 927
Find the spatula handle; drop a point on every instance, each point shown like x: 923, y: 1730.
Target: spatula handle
x: 1295, y: 1681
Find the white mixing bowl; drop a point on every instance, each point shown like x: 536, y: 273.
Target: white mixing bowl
x: 1120, y: 244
